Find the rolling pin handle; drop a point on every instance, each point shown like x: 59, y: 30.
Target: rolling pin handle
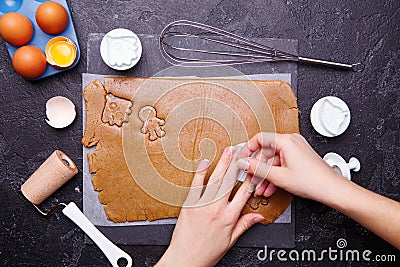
x: 112, y: 252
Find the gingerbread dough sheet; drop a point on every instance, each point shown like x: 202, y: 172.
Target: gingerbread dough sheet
x: 151, y: 134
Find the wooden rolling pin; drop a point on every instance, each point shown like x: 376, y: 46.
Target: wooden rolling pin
x: 51, y: 175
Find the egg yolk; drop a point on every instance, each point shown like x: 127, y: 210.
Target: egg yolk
x: 62, y: 53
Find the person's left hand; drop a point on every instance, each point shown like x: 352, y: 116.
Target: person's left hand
x: 209, y: 224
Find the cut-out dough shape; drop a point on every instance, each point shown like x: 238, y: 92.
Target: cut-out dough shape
x: 256, y: 201
x: 151, y: 124
x: 116, y: 111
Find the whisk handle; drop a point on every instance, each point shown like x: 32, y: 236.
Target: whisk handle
x: 354, y: 67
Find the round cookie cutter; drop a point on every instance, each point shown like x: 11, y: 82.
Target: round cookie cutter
x: 330, y: 116
x: 121, y: 49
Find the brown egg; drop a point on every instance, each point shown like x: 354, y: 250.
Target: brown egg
x: 16, y: 29
x: 29, y: 62
x: 52, y: 17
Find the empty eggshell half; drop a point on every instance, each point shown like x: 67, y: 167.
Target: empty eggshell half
x: 60, y: 112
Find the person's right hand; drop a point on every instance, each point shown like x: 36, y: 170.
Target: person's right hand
x: 289, y: 162
x: 296, y: 167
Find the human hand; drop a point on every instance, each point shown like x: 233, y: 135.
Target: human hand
x: 209, y: 224
x: 300, y: 170
x: 289, y: 162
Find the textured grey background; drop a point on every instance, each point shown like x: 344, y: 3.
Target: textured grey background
x: 350, y: 31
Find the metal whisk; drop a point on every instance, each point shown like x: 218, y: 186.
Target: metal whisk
x: 186, y: 41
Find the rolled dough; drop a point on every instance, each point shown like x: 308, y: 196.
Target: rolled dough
x: 150, y: 135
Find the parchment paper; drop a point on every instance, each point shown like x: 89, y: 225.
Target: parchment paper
x: 278, y: 234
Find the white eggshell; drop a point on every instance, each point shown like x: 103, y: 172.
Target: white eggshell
x: 60, y: 112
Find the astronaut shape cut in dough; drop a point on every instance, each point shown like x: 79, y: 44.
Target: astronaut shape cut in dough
x: 116, y: 111
x: 151, y: 124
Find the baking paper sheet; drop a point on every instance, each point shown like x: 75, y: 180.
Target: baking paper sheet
x: 279, y: 234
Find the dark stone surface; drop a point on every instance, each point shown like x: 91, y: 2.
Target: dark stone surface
x: 350, y: 31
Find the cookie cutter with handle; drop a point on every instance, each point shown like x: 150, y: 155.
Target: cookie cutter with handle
x: 51, y: 175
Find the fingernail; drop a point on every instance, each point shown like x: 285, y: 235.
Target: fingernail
x: 258, y: 218
x: 203, y: 164
x: 241, y: 145
x: 252, y: 188
x: 243, y: 164
x: 227, y: 152
x: 257, y: 180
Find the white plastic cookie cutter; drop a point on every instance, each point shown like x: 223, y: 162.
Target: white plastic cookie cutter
x: 341, y: 166
x: 330, y: 116
x: 241, y: 177
x: 121, y: 49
